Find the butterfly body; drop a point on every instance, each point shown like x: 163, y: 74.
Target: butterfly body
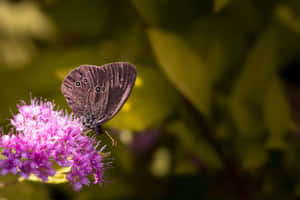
x: 97, y: 93
x: 98, y: 130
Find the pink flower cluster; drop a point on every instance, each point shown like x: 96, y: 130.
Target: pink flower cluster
x: 43, y: 136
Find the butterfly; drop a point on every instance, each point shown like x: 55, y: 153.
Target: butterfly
x: 97, y: 93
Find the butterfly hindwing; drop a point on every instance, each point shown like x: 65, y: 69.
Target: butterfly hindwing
x: 121, y: 78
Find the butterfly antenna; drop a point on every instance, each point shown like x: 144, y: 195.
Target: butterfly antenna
x: 113, y: 141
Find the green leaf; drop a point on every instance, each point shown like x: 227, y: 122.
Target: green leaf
x: 286, y: 16
x: 249, y: 91
x: 277, y: 115
x: 123, y: 158
x: 223, y: 131
x: 195, y: 145
x: 23, y: 190
x: 220, y: 4
x: 182, y: 67
x: 31, y: 22
x: 92, y: 17
x: 260, y: 62
x: 161, y: 162
x: 18, y: 29
x: 119, y: 189
x: 247, y: 16
x: 254, y: 159
x: 149, y: 10
x: 175, y: 15
x: 152, y: 100
x: 210, y: 38
x: 185, y: 167
x: 216, y: 60
x: 248, y: 123
x: 252, y: 155
x: 297, y: 189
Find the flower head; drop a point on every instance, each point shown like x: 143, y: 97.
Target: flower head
x: 43, y: 136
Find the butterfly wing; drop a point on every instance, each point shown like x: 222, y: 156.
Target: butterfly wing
x: 111, y: 85
x: 99, y: 92
x: 75, y: 90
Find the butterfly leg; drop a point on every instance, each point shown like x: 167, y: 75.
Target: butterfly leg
x: 87, y: 131
x: 113, y: 141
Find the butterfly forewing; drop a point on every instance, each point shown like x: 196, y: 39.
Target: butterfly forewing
x: 99, y: 92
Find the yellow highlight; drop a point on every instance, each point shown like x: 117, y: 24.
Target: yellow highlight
x: 61, y: 73
x: 161, y: 162
x: 126, y: 107
x: 139, y: 82
x: 59, y: 177
x: 126, y: 136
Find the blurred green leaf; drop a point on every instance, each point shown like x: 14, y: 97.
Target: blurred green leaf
x: 152, y: 100
x: 20, y: 23
x: 184, y: 167
x: 252, y: 155
x: 195, y: 145
x: 51, y: 66
x: 254, y: 159
x: 116, y: 190
x: 297, y: 190
x: 220, y: 4
x: 268, y: 185
x: 133, y: 44
x: 260, y: 62
x: 216, y: 60
x: 149, y: 10
x: 284, y: 13
x: 24, y: 190
x: 210, y: 38
x: 248, y: 16
x: 161, y: 163
x: 182, y: 67
x: 16, y: 53
x: 248, y: 123
x: 277, y: 115
x: 24, y: 19
x: 84, y: 18
x: 250, y: 87
x: 169, y: 14
x: 123, y: 158
x: 223, y: 131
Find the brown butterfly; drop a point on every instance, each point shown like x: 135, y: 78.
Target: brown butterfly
x: 97, y: 93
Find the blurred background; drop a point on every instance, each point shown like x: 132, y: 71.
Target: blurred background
x: 216, y: 106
